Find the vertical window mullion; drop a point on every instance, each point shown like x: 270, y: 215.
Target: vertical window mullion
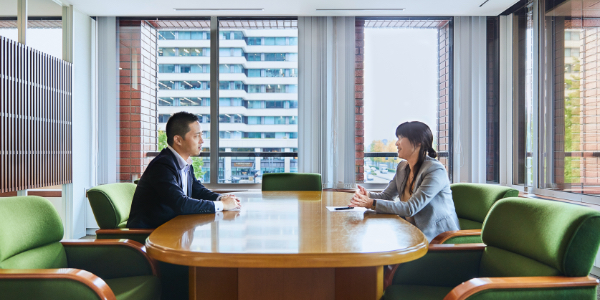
x: 214, y: 103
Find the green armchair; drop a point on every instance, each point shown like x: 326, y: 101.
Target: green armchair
x: 36, y: 264
x: 292, y: 182
x: 472, y: 202
x: 111, y: 204
x: 534, y: 249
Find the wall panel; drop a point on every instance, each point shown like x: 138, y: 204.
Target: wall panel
x: 35, y: 118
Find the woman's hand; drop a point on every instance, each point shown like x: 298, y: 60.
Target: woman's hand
x: 361, y: 200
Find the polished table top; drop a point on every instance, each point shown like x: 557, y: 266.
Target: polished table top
x: 287, y: 230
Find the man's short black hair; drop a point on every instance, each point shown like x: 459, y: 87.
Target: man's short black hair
x: 179, y: 124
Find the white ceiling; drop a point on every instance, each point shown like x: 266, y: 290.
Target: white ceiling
x: 271, y: 7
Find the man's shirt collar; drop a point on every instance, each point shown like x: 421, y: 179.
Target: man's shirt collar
x: 180, y: 161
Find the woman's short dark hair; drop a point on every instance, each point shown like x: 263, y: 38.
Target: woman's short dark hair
x: 417, y: 133
x: 179, y: 124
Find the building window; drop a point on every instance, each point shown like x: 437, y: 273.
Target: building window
x: 163, y: 118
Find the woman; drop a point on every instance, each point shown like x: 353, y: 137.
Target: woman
x: 420, y: 180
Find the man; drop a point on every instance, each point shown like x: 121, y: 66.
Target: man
x: 168, y: 187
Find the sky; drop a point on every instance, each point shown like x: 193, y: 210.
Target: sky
x: 401, y: 80
x: 46, y: 40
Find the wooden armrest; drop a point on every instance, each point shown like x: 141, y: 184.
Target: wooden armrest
x: 475, y: 285
x: 128, y: 243
x: 444, y: 236
x: 92, y: 281
x: 125, y: 231
x: 456, y: 247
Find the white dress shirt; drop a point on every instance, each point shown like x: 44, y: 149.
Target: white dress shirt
x: 184, y: 168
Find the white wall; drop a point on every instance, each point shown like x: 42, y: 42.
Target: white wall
x: 83, y: 129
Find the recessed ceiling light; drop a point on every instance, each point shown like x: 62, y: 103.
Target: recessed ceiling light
x: 218, y: 9
x: 361, y: 9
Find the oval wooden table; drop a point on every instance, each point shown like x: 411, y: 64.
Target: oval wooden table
x: 287, y: 245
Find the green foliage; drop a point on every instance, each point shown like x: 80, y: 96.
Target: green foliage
x: 572, y: 124
x: 197, y: 162
x: 162, y: 140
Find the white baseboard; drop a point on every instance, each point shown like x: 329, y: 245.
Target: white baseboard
x: 91, y: 231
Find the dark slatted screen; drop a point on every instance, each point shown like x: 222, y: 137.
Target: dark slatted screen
x: 35, y: 118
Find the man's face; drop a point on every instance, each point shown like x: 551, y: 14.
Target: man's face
x: 192, y: 144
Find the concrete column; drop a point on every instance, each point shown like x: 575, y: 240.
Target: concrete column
x: 227, y: 167
x: 287, y: 160
x: 257, y: 160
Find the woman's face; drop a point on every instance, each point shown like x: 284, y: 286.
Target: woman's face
x: 405, y: 149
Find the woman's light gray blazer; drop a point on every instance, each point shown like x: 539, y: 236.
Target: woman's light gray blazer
x: 431, y: 203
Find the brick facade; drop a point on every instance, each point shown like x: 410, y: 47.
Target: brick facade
x: 137, y: 97
x: 359, y: 131
x: 444, y: 116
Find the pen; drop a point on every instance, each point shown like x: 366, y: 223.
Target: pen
x: 343, y: 208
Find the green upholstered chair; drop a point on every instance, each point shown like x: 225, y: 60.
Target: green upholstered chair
x: 472, y: 202
x: 292, y: 182
x: 534, y: 249
x: 111, y: 204
x: 36, y: 264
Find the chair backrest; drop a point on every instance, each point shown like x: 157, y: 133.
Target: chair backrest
x: 30, y: 234
x: 292, y: 182
x: 534, y: 237
x: 473, y: 201
x: 111, y: 204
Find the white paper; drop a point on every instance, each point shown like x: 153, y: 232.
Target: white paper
x: 332, y: 208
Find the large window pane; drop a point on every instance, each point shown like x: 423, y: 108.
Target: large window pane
x: 188, y: 92
x: 523, y: 96
x: 386, y: 51
x: 570, y: 129
x: 244, y: 139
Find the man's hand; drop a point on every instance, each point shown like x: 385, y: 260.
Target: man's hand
x: 230, y: 202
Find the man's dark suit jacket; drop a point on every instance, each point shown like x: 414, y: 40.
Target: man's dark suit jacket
x: 159, y: 195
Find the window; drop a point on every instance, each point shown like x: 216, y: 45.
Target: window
x: 523, y: 96
x: 275, y: 56
x: 254, y: 41
x: 163, y: 118
x: 166, y: 68
x: 570, y: 143
x: 385, y: 52
x: 166, y: 35
x: 253, y: 72
x: 190, y: 92
x: 167, y: 52
x: 274, y: 104
x: 253, y: 56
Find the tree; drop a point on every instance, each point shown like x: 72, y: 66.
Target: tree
x: 197, y: 162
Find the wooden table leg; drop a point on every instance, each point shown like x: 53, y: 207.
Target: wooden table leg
x: 359, y: 283
x: 213, y: 283
x: 290, y: 284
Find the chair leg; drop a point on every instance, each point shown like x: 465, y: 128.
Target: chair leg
x: 388, y: 275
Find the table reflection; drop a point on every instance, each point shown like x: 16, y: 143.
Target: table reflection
x: 288, y: 222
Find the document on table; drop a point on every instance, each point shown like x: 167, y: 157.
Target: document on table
x: 333, y: 208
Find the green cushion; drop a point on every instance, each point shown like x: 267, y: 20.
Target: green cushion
x: 469, y: 224
x: 108, y: 261
x: 439, y: 268
x: 415, y: 292
x: 472, y: 201
x: 135, y: 288
x: 31, y: 228
x: 51, y: 256
x: 292, y: 182
x: 560, y: 235
x: 496, y: 262
x: 111, y: 204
